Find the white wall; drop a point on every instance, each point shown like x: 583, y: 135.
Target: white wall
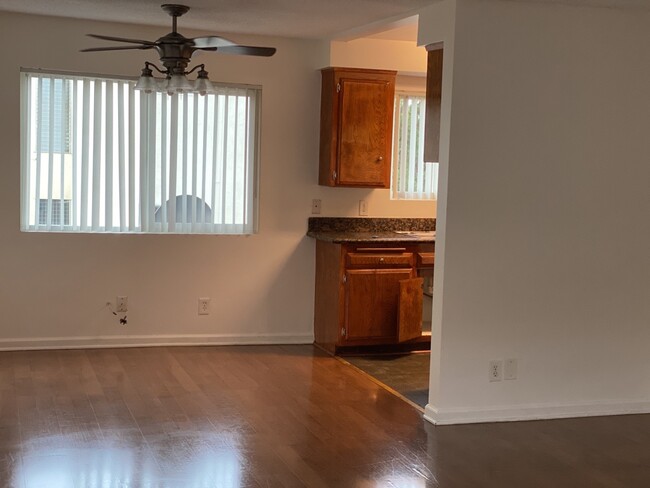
x: 53, y: 287
x: 546, y: 228
x: 437, y: 24
x: 403, y: 56
x: 57, y: 285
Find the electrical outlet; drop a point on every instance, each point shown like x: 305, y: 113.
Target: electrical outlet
x: 204, y: 306
x: 363, y: 207
x: 315, y: 206
x: 496, y: 370
x: 122, y: 304
x: 510, y: 369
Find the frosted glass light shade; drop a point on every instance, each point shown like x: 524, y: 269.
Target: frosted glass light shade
x: 203, y: 86
x: 178, y: 84
x: 146, y: 84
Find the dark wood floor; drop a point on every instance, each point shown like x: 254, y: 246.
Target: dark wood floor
x: 273, y: 417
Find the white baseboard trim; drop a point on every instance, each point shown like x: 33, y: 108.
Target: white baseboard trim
x: 113, y: 341
x: 452, y: 416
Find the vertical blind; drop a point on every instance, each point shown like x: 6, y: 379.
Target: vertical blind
x: 412, y: 178
x: 99, y: 156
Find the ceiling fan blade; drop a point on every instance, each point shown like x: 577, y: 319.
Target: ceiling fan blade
x: 211, y: 42
x: 114, y: 48
x: 247, y: 50
x: 121, y: 39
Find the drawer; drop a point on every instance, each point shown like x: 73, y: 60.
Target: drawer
x: 379, y: 259
x: 425, y: 259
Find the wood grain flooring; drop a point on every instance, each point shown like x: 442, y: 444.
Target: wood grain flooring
x: 273, y: 416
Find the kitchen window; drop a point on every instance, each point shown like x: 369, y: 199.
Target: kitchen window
x: 412, y: 178
x: 99, y: 156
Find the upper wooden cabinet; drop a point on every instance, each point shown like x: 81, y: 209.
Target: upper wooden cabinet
x: 433, y: 104
x: 356, y: 127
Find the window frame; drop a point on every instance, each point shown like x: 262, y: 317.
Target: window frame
x: 253, y: 164
x: 395, y: 160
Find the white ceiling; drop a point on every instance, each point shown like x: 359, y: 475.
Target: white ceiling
x: 317, y: 19
x: 406, y: 32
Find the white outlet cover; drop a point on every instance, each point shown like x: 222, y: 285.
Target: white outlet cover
x: 315, y: 206
x: 495, y: 371
x: 510, y: 369
x: 363, y: 208
x: 204, y: 306
x: 122, y: 304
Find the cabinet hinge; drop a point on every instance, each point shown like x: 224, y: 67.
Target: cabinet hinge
x: 338, y: 88
x: 334, y: 175
x: 343, y: 331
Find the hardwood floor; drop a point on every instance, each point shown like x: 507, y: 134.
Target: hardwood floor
x: 273, y: 416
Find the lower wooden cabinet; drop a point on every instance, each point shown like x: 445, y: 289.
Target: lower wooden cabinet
x: 367, y: 295
x: 371, y: 303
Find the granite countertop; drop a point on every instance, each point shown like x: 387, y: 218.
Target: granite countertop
x: 341, y: 230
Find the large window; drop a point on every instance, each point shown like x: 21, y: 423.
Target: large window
x: 99, y: 156
x: 412, y: 178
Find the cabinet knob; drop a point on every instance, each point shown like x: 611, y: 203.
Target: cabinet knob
x: 381, y: 260
x: 380, y: 159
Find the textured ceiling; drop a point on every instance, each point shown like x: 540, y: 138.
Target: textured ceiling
x: 291, y: 18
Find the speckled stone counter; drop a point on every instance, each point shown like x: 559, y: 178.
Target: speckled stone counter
x: 352, y: 229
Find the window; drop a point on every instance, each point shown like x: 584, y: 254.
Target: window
x: 412, y: 178
x: 55, y: 111
x: 99, y: 156
x: 50, y: 211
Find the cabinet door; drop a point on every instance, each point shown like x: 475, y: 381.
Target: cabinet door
x: 371, y: 303
x: 433, y: 105
x: 365, y: 128
x: 409, y: 324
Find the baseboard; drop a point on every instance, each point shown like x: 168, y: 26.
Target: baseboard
x: 111, y: 341
x: 451, y: 416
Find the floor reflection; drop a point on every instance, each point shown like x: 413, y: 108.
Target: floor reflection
x: 190, y: 462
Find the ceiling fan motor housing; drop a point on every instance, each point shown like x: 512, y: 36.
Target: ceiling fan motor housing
x: 175, y: 52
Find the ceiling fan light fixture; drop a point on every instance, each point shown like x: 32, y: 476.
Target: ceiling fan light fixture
x: 203, y: 85
x: 175, y: 83
x: 178, y: 83
x: 146, y: 83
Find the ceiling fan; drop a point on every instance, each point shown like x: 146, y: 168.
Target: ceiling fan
x: 175, y: 51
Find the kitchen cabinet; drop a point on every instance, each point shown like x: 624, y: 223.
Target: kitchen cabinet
x: 356, y: 127
x: 368, y: 294
x: 433, y: 103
